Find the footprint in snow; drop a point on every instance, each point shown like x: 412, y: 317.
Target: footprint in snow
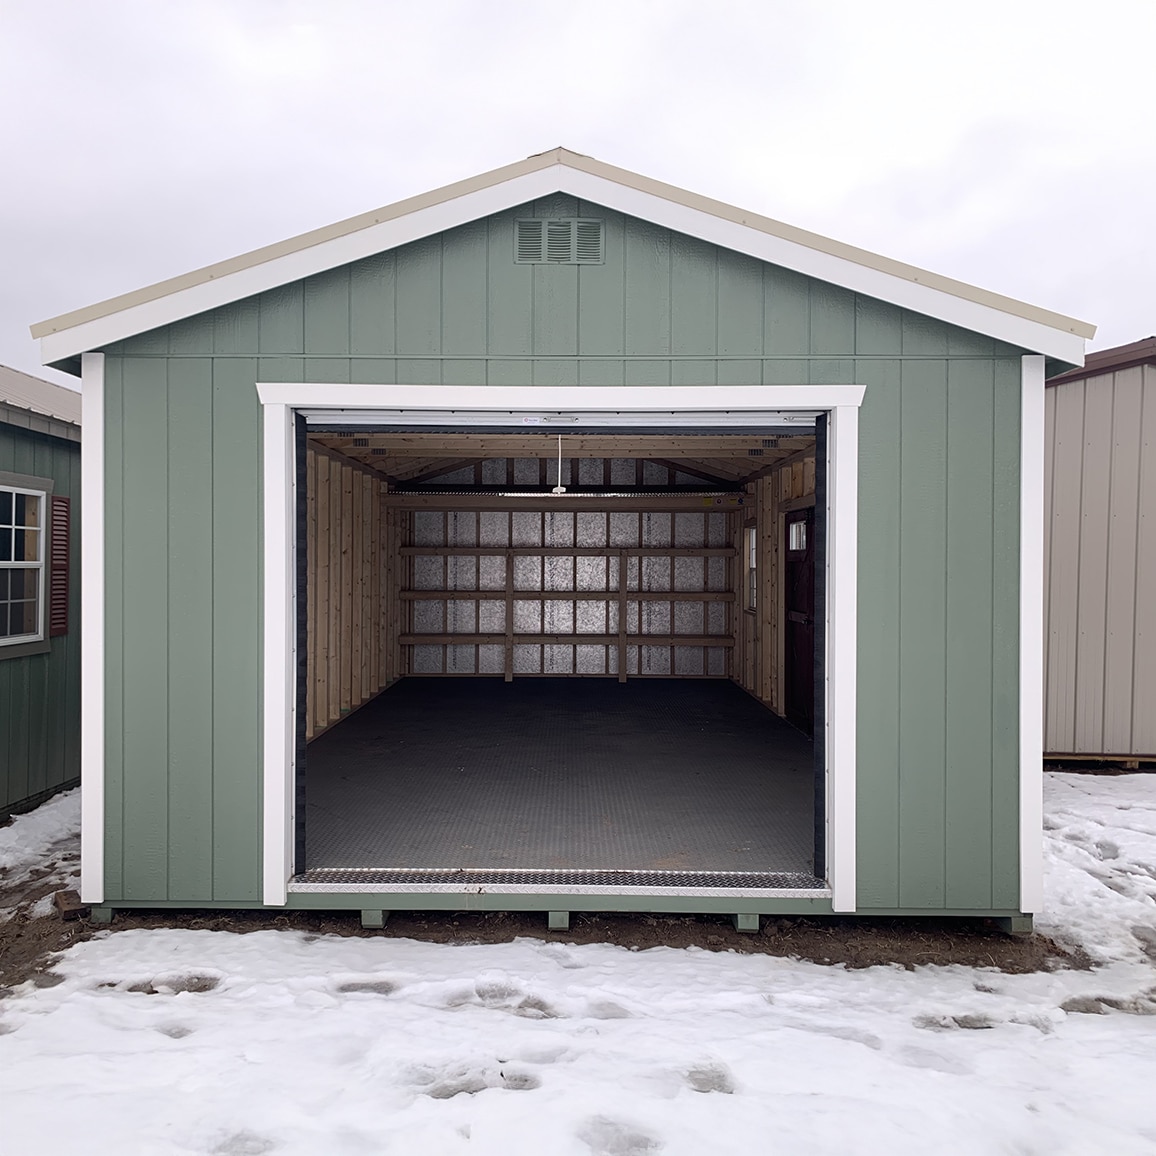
x: 841, y: 1032
x: 468, y: 1080
x: 173, y: 984
x: 968, y: 1021
x: 369, y: 986
x: 606, y: 1009
x: 1146, y: 937
x: 174, y: 1031
x: 557, y: 954
x: 710, y: 1078
x: 244, y: 1144
x: 500, y: 993
x: 925, y: 1058
x: 606, y: 1137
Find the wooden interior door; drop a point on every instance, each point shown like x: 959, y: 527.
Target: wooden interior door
x: 799, y: 605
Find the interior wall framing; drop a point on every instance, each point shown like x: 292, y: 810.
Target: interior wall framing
x: 552, y: 591
x: 349, y: 588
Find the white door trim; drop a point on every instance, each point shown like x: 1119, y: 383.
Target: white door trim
x: 590, y: 405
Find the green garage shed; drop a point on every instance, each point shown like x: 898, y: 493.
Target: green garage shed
x: 561, y: 540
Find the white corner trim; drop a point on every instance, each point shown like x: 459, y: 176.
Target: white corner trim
x: 637, y: 405
x: 910, y: 293
x: 279, y: 677
x: 842, y: 652
x: 1031, y: 713
x: 92, y: 804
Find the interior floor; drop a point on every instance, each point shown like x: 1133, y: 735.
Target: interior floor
x: 545, y: 774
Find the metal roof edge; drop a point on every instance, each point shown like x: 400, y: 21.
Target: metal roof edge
x: 291, y: 245
x: 1105, y: 361
x: 563, y: 159
x: 22, y: 391
x: 835, y: 248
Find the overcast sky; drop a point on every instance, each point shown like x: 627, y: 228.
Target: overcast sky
x: 1010, y: 144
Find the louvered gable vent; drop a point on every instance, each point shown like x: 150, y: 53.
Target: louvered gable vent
x: 558, y: 241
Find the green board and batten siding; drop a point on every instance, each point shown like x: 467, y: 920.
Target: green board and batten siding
x: 40, y: 693
x: 938, y: 524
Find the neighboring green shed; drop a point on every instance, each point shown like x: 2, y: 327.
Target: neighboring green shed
x: 561, y: 540
x: 39, y: 590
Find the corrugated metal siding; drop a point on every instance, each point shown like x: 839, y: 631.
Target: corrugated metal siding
x: 1100, y: 547
x: 40, y: 693
x: 938, y: 554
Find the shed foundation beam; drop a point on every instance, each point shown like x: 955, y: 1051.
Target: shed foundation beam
x: 747, y: 921
x: 373, y: 918
x: 1015, y: 924
x: 100, y: 914
x: 558, y: 920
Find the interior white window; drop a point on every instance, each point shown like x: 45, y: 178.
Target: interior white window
x: 22, y: 521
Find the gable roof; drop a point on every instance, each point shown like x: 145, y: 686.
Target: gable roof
x: 1105, y: 361
x: 22, y: 391
x: 559, y: 170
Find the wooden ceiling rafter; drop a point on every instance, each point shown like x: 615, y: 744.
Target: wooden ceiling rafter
x: 698, y: 470
x: 674, y: 445
x: 726, y: 460
x: 425, y: 474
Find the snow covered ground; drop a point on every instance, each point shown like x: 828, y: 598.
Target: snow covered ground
x: 176, y: 1041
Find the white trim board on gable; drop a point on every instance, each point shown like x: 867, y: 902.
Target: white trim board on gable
x: 560, y: 171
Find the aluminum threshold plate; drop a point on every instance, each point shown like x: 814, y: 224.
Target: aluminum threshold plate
x: 561, y: 882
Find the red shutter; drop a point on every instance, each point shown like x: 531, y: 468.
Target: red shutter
x: 58, y: 569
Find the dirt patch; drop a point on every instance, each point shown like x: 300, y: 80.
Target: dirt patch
x: 27, y: 945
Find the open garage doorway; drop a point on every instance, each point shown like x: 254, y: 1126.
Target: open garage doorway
x: 559, y: 655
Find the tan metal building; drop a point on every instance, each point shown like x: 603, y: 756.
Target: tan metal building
x: 1100, y: 557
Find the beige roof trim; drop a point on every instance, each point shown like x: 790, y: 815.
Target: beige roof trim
x: 576, y: 161
x: 46, y: 398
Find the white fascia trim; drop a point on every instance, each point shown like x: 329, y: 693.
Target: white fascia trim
x: 296, y: 266
x: 280, y: 644
x: 284, y: 270
x: 827, y: 267
x: 842, y: 652
x: 1031, y: 713
x: 281, y: 399
x: 92, y: 804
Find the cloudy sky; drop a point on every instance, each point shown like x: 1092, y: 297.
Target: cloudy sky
x: 1009, y: 144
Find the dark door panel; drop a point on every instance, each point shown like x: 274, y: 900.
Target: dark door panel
x: 799, y: 601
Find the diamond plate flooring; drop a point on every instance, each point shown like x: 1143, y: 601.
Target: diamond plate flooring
x: 561, y: 775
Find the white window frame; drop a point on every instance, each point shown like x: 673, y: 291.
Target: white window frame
x: 571, y: 407
x: 40, y: 564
